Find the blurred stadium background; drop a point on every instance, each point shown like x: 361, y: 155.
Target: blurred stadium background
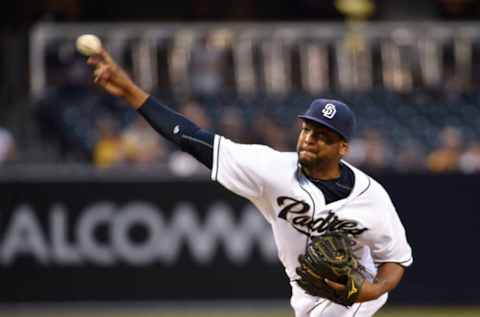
x: 99, y: 216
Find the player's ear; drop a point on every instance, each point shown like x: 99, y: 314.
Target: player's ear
x: 343, y: 149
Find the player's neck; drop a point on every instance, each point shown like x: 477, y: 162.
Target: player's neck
x: 323, y: 172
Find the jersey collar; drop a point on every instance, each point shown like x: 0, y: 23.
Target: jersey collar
x: 362, y: 182
x: 360, y: 186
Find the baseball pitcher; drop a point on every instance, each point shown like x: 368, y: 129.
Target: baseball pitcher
x: 338, y: 234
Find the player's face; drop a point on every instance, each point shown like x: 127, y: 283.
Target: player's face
x: 317, y: 144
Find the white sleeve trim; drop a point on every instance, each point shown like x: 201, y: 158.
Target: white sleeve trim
x: 405, y: 263
x: 216, y: 154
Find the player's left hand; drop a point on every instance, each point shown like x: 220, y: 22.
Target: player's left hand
x: 367, y: 291
x: 336, y: 286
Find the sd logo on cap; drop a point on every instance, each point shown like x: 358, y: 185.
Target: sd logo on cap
x: 333, y: 114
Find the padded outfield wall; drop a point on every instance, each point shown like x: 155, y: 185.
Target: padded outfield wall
x: 109, y: 240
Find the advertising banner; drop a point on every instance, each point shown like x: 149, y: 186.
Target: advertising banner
x: 193, y: 240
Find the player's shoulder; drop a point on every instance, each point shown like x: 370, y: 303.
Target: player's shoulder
x: 262, y: 149
x: 258, y: 154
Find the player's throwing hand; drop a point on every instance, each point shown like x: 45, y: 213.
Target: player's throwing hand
x: 111, y: 77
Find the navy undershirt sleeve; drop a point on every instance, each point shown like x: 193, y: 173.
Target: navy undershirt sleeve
x: 179, y: 130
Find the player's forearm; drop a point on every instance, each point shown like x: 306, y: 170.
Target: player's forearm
x: 179, y: 130
x: 135, y: 96
x: 388, y: 277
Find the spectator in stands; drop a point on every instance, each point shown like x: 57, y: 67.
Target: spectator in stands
x: 370, y: 151
x: 207, y: 64
x: 195, y: 112
x: 410, y: 157
x: 446, y: 157
x: 232, y: 123
x: 470, y: 160
x: 7, y: 146
x: 357, y: 152
x: 142, y: 145
x: 379, y: 155
x: 109, y: 149
x: 267, y: 131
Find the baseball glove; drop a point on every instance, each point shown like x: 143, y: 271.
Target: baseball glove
x: 330, y: 256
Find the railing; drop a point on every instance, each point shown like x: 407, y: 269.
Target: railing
x: 272, y: 58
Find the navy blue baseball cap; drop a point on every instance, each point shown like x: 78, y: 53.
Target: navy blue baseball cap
x: 333, y: 114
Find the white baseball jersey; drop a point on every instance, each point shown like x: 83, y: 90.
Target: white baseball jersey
x: 296, y: 210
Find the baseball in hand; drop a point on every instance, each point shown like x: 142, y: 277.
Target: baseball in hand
x: 89, y: 44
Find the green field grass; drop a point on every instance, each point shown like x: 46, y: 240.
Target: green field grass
x: 387, y: 312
